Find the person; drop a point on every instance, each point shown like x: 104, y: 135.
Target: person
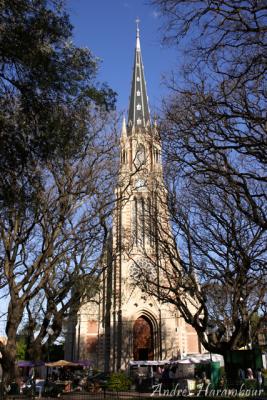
x: 54, y: 375
x: 172, y: 376
x: 241, y: 374
x: 205, y: 381
x: 250, y: 374
x: 259, y: 378
x: 222, y: 382
x: 31, y: 380
x: 165, y: 377
x: 150, y: 375
x: 31, y: 374
x: 158, y: 375
x: 90, y: 372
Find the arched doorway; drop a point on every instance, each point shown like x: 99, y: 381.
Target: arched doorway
x: 143, y: 343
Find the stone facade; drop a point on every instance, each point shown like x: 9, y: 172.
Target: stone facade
x: 124, y: 322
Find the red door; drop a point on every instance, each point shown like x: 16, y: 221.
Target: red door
x: 143, y: 347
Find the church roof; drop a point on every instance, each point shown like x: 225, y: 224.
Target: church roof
x: 138, y: 115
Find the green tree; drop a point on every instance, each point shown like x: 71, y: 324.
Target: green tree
x: 48, y: 91
x: 21, y: 348
x: 119, y: 382
x: 56, y: 166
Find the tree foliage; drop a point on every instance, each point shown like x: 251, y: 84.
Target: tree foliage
x: 48, y: 90
x: 58, y: 146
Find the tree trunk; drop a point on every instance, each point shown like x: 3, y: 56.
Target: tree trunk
x: 8, y: 362
x: 9, y: 350
x: 34, y: 351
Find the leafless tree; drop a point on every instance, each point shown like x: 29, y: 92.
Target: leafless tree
x: 213, y: 129
x: 52, y: 248
x: 228, y: 37
x: 209, y: 262
x: 214, y: 121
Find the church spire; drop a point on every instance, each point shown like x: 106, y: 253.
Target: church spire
x: 138, y: 116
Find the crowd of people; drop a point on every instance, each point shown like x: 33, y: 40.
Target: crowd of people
x: 168, y: 377
x: 249, y: 375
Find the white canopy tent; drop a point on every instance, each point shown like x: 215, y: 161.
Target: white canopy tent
x: 194, y: 359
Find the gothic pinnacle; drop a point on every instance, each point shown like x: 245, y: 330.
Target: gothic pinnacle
x: 123, y: 128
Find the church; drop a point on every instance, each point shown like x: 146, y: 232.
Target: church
x: 124, y: 323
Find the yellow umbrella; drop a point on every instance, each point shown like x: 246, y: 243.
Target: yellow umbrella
x: 61, y: 363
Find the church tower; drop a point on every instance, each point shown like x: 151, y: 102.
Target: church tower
x: 143, y: 329
x: 127, y: 324
x: 137, y: 318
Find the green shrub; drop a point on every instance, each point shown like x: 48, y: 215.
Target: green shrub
x: 21, y: 349
x: 250, y: 384
x: 119, y: 382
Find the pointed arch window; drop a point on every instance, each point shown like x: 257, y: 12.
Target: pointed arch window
x: 124, y: 156
x: 156, y: 155
x: 135, y: 221
x: 149, y: 219
x: 142, y: 221
x: 138, y: 221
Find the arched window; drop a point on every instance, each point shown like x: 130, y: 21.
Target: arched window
x: 156, y: 153
x: 142, y: 221
x: 124, y: 156
x: 138, y: 221
x: 150, y: 222
x: 135, y: 221
x: 118, y: 223
x: 153, y: 219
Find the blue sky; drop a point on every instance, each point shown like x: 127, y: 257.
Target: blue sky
x: 108, y: 27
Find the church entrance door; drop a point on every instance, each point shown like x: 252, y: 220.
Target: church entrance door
x: 143, y: 346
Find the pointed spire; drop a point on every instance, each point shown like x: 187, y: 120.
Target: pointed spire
x: 138, y: 116
x: 138, y: 47
x: 123, y: 128
x: 155, y: 121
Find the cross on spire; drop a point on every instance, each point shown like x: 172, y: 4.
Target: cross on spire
x: 137, y: 31
x: 137, y: 23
